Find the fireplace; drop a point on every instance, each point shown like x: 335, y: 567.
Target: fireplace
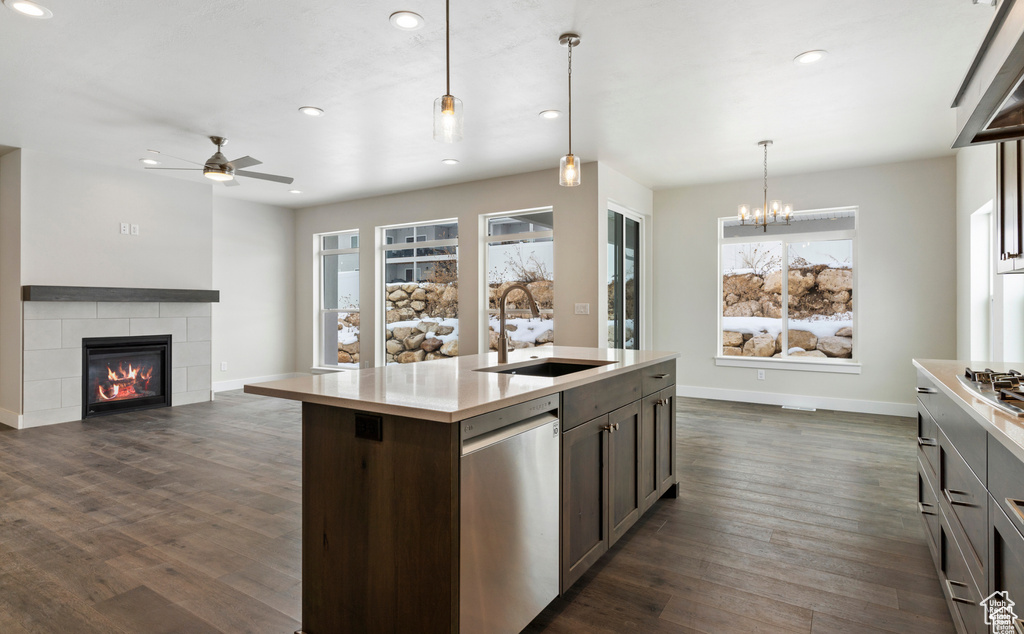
x: 121, y: 374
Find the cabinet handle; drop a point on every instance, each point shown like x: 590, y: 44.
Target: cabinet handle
x: 659, y: 376
x: 661, y: 401
x: 609, y: 428
x: 1015, y: 506
x: 926, y: 442
x: 927, y: 390
x: 921, y: 506
x: 949, y: 493
x: 952, y: 595
x: 1018, y: 626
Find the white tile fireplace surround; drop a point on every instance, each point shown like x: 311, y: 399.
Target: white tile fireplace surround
x: 53, y: 350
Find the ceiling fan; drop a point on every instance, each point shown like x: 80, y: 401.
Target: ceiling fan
x: 219, y: 168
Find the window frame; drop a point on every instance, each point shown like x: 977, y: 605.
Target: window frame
x: 485, y: 241
x: 830, y: 365
x: 321, y: 312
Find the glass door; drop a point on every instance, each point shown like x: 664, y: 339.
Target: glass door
x: 623, y: 281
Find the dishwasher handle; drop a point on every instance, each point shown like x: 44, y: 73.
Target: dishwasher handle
x: 508, y: 431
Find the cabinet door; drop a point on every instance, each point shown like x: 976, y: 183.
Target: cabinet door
x: 1006, y: 557
x: 649, y: 482
x: 585, y: 456
x: 666, y: 445
x: 1008, y: 201
x: 624, y: 470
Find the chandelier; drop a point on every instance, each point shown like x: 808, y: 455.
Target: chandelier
x: 773, y: 211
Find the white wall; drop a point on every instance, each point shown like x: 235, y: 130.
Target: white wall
x: 10, y: 288
x: 906, y: 300
x: 576, y: 213
x: 71, y: 212
x: 254, y: 269
x: 975, y: 188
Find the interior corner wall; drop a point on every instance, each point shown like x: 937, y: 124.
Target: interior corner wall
x: 906, y: 306
x: 975, y: 188
x: 10, y: 289
x: 254, y: 270
x: 576, y: 232
x: 618, y: 190
x: 71, y: 211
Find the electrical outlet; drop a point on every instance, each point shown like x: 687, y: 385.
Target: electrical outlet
x: 135, y: 230
x: 124, y: 228
x: 760, y: 375
x: 223, y: 366
x: 582, y: 309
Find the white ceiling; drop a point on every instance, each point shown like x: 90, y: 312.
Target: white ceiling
x: 669, y: 92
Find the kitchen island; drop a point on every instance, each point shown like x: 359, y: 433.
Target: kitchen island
x: 383, y: 453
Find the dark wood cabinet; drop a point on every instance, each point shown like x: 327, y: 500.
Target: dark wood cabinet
x: 585, y: 474
x: 1009, y: 219
x: 624, y: 470
x: 658, y: 451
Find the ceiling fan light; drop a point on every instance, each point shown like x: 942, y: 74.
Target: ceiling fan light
x: 406, y: 20
x: 569, y: 171
x: 28, y: 8
x: 448, y: 119
x: 218, y: 175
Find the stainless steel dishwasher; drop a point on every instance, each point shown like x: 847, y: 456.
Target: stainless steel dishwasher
x: 509, y: 505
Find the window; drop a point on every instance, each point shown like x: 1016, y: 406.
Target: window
x: 624, y: 234
x: 520, y: 247
x: 808, y: 319
x: 421, y: 293
x: 339, y: 299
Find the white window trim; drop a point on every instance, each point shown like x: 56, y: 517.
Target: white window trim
x: 646, y: 305
x: 838, y: 366
x: 318, y: 328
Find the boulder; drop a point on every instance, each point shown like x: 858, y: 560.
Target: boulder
x: 835, y: 280
x: 759, y: 346
x: 799, y: 339
x: 411, y: 356
x: 731, y: 299
x: 401, y: 332
x: 747, y: 336
x: 392, y: 316
x: 433, y: 356
x: 511, y: 327
x: 493, y: 340
x: 406, y: 314
x: 351, y: 348
x: 410, y: 288
x: 742, y: 285
x: 419, y: 295
x: 402, y: 303
x: 353, y: 319
x: 808, y: 353
x: 413, y: 341
x: 839, y: 347
x: 799, y: 282
x: 548, y: 336
x: 398, y: 295
x: 732, y: 351
x: 418, y: 306
x: 427, y: 326
x: 771, y: 309
x: 394, y: 346
x: 431, y: 345
x: 451, y: 349
x: 730, y: 338
x: 845, y: 332
x: 742, y: 309
x: 519, y: 345
x: 344, y: 357
x: 445, y: 330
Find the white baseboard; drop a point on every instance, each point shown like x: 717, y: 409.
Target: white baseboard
x: 799, y: 400
x: 9, y: 418
x: 236, y: 384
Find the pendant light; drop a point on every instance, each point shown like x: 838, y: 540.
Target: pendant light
x: 447, y: 109
x: 778, y: 211
x: 569, y: 169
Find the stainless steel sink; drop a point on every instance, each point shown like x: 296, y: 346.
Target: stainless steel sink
x: 546, y: 367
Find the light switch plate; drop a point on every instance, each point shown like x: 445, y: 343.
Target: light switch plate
x: 223, y: 366
x: 582, y: 309
x: 135, y: 230
x: 760, y: 375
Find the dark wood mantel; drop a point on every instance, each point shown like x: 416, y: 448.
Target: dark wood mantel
x: 115, y: 294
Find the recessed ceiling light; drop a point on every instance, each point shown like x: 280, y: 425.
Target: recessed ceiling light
x: 154, y: 151
x: 406, y: 20
x: 810, y: 57
x: 312, y: 111
x: 550, y: 114
x: 149, y: 161
x: 294, y: 191
x: 450, y: 161
x: 31, y: 9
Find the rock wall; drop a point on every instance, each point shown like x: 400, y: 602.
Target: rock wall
x: 802, y: 343
x: 814, y: 291
x: 421, y: 321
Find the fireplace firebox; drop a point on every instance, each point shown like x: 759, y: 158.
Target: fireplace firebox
x: 121, y: 374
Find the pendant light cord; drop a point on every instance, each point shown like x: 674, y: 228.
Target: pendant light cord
x: 570, y: 97
x: 447, y: 54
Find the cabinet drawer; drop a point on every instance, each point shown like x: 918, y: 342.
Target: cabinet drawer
x: 1006, y: 482
x: 927, y: 440
x: 589, y: 401
x: 1006, y: 552
x: 928, y: 507
x: 965, y: 500
x: 658, y: 377
x: 969, y: 438
x: 962, y: 593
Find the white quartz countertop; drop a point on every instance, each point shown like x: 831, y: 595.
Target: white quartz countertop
x: 1006, y: 428
x: 450, y: 390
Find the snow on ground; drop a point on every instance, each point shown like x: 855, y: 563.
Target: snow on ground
x: 757, y: 325
x: 527, y: 329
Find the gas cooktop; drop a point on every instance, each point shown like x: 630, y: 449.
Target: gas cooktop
x: 1003, y: 390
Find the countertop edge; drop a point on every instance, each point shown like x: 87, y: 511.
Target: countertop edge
x: 979, y: 417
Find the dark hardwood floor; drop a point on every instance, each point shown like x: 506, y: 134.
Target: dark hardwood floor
x: 187, y: 520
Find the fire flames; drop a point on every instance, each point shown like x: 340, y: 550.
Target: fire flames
x: 124, y: 384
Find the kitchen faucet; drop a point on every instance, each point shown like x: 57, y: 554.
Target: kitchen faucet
x: 503, y: 342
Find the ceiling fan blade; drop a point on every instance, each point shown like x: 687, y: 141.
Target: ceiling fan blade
x: 180, y: 159
x: 245, y: 161
x: 231, y: 183
x: 187, y: 169
x: 267, y: 177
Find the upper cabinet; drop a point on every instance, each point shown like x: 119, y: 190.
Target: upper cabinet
x: 990, y: 102
x: 1008, y: 208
